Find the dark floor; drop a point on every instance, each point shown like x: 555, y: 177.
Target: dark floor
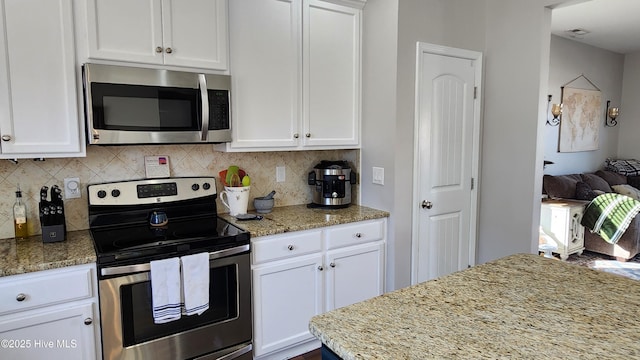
x: 311, y: 355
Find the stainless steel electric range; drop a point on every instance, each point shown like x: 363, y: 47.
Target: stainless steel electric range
x: 135, y: 222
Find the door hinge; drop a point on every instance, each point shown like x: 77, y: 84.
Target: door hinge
x: 475, y: 92
x: 472, y: 183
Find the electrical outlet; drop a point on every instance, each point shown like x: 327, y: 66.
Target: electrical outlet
x: 378, y: 175
x: 280, y: 174
x: 72, y: 188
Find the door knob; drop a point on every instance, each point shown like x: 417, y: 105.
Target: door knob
x: 427, y: 204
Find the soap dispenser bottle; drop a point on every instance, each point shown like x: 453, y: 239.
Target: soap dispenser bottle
x: 20, y: 216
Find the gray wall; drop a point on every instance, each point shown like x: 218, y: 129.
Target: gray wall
x: 629, y: 124
x: 569, y: 59
x: 516, y: 73
x: 379, y: 49
x: 514, y: 38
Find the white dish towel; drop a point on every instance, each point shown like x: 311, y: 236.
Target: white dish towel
x: 166, y: 290
x: 195, y: 283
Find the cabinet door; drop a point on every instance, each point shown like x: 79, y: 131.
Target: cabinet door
x: 195, y: 33
x: 38, y: 99
x: 125, y: 30
x: 331, y: 74
x: 265, y: 60
x: 354, y: 274
x: 58, y: 334
x: 286, y: 295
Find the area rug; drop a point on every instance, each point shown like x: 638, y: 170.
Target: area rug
x: 630, y: 269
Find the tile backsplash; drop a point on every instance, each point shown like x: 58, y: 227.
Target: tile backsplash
x: 115, y: 163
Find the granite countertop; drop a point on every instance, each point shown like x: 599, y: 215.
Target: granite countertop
x: 521, y: 306
x: 299, y: 217
x: 31, y: 254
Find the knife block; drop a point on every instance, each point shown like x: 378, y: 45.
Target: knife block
x: 52, y: 220
x: 53, y: 233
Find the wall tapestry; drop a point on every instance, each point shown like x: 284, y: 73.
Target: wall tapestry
x: 580, y: 121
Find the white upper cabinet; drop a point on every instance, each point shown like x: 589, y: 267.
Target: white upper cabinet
x: 162, y: 32
x: 331, y: 74
x: 295, y: 67
x: 266, y: 72
x: 38, y: 99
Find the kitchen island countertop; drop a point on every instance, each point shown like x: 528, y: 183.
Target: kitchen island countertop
x: 19, y: 256
x: 300, y: 217
x: 519, y: 307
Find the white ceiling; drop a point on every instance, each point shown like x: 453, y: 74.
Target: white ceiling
x: 612, y: 24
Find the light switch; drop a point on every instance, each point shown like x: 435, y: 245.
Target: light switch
x: 378, y: 175
x: 280, y: 174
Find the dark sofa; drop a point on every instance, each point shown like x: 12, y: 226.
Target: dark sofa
x: 585, y: 187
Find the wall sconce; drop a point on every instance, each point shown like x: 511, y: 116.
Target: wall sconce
x: 611, y: 113
x: 556, y: 111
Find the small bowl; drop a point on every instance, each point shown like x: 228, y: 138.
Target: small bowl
x: 263, y: 205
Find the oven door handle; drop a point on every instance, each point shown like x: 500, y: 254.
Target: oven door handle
x: 129, y: 269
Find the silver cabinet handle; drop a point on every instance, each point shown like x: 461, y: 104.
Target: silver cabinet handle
x: 6, y: 137
x: 204, y: 95
x: 88, y: 321
x: 332, y: 265
x: 427, y: 204
x: 168, y: 50
x: 307, y: 135
x: 158, y: 49
x: 21, y: 297
x: 358, y: 235
x: 290, y: 247
x: 320, y: 268
x: 295, y: 136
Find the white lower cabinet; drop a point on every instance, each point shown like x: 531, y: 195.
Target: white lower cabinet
x: 51, y: 314
x: 289, y: 292
x: 355, y: 274
x: 302, y: 274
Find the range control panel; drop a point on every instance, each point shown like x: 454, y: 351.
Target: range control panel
x: 151, y: 191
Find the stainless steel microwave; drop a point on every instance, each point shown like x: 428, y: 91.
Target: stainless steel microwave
x: 129, y: 105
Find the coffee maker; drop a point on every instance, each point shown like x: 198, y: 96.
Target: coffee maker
x: 331, y: 184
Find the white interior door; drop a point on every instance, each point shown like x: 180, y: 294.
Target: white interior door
x: 446, y: 158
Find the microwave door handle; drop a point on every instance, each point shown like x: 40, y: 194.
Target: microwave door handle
x: 204, y: 95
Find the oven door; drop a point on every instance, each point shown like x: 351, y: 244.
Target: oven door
x: 129, y: 332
